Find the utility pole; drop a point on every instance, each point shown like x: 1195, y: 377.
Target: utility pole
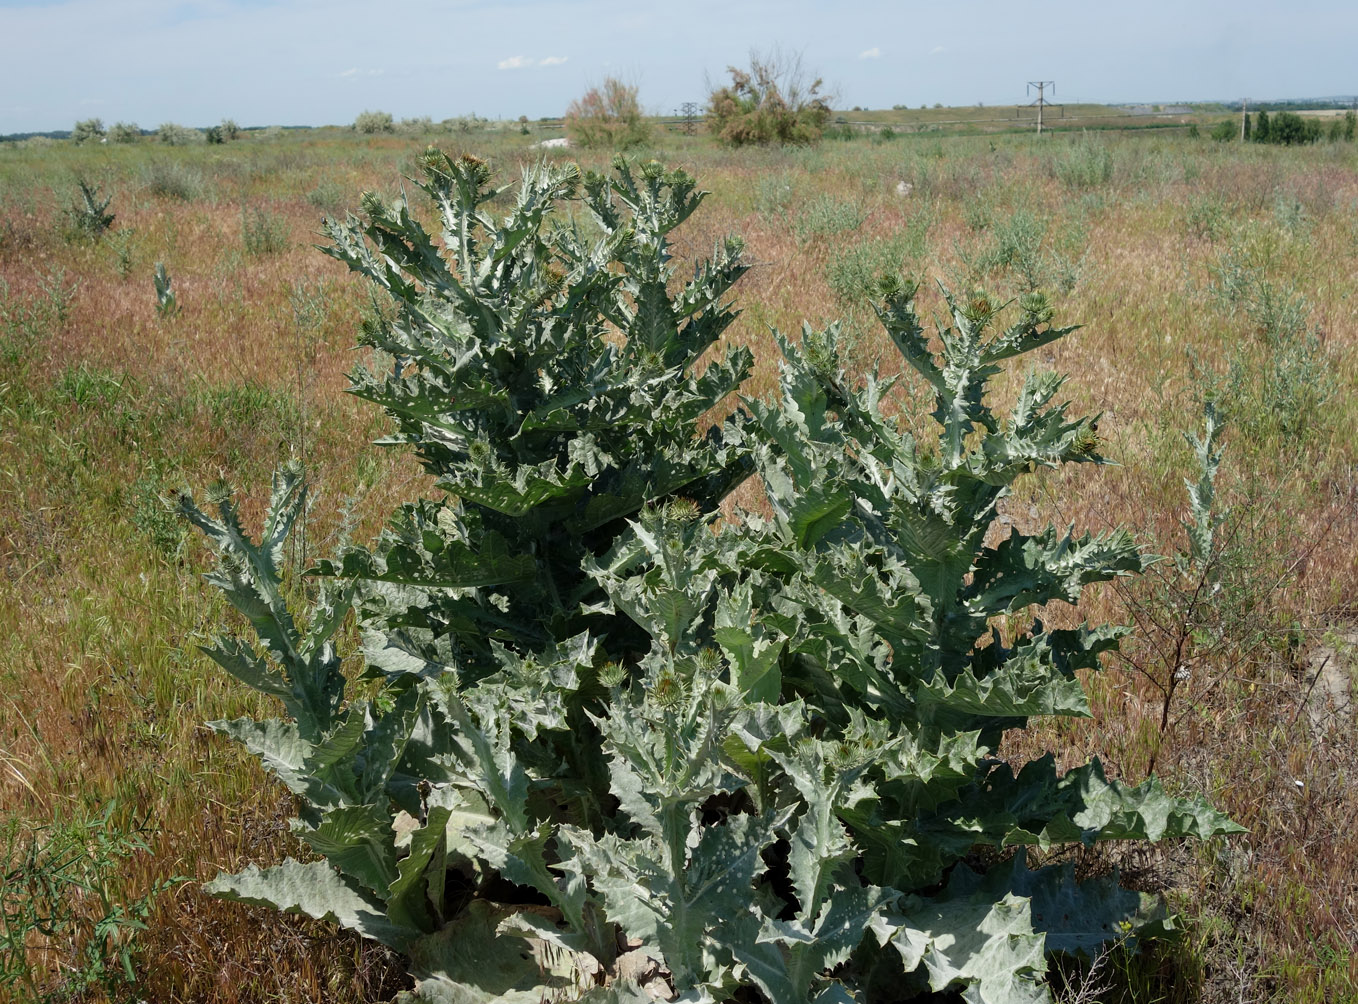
x: 1244, y: 116
x: 1041, y: 101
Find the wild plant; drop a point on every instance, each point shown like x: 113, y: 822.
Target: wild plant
x: 327, y: 196
x: 262, y: 232
x: 87, y: 131
x: 612, y: 744
x: 374, y: 122
x: 166, y: 304
x: 89, y: 215
x: 827, y: 216
x: 58, y: 886
x: 120, y: 243
x: 124, y: 132
x: 172, y: 179
x: 174, y: 134
x: 56, y: 295
x: 608, y: 116
x: 1085, y: 163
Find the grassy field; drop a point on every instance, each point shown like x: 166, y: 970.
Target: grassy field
x: 1199, y: 271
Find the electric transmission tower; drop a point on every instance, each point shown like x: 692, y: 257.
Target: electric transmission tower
x: 1041, y: 101
x: 689, y: 111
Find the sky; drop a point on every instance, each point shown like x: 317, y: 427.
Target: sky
x: 319, y: 62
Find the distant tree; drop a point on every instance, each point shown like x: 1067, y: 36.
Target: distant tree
x: 1350, y: 124
x: 607, y: 116
x: 1224, y: 132
x: 1248, y: 127
x: 770, y: 103
x: 174, y: 134
x: 1336, y: 132
x: 1288, y: 129
x: 89, y: 129
x: 1264, y: 134
x: 229, y: 130
x: 371, y: 123
x: 124, y: 132
x: 214, y: 134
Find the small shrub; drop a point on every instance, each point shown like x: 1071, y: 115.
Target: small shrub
x: 415, y: 126
x: 1085, y: 163
x: 59, y: 887
x: 263, y: 232
x: 773, y: 195
x: 372, y: 123
x: 124, y: 132
x: 328, y: 196
x: 1207, y: 218
x: 827, y: 216
x: 173, y: 180
x: 173, y: 134
x: 1225, y: 131
x: 154, y: 514
x: 230, y: 132
x: 608, y: 117
x: 771, y: 102
x: 88, y: 130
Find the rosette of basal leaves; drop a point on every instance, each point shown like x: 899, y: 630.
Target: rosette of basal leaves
x: 543, y: 369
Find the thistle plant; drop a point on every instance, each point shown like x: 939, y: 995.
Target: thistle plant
x: 166, y: 304
x: 610, y: 747
x: 89, y: 214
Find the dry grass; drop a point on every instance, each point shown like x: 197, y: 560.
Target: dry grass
x: 99, y: 613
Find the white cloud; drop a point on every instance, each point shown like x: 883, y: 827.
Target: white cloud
x: 873, y: 53
x: 936, y: 50
x: 352, y: 71
x: 553, y: 61
x: 514, y: 63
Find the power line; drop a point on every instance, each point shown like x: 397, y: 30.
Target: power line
x: 1041, y: 101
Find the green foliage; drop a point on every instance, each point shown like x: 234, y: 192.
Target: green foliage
x: 174, y: 180
x: 124, y: 132
x: 371, y: 123
x: 854, y: 268
x: 1350, y: 125
x: 1263, y: 133
x: 58, y: 886
x: 1225, y: 131
x: 1287, y: 129
x: 608, y: 117
x: 173, y: 134
x: 327, y: 196
x: 87, y: 130
x: 827, y: 216
x: 166, y: 304
x: 89, y: 215
x: 120, y: 243
x: 771, y: 102
x: 263, y: 232
x: 596, y: 714
x: 1085, y: 163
